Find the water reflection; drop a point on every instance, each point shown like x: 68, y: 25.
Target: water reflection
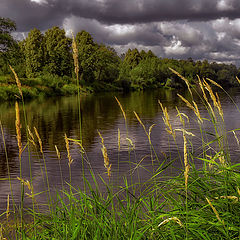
x: 56, y: 116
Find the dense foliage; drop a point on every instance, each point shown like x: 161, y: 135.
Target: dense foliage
x: 48, y: 57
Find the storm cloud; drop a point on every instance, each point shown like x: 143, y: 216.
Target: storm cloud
x: 200, y: 29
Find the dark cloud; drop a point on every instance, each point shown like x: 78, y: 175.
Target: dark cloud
x: 171, y: 28
x: 30, y: 14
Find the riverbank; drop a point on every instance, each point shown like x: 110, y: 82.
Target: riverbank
x: 48, y: 86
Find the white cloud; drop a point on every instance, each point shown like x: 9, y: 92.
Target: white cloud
x: 176, y: 48
x: 41, y: 2
x: 183, y: 31
x: 121, y: 29
x: 224, y: 5
x: 223, y: 55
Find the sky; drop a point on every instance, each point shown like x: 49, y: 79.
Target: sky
x: 200, y: 29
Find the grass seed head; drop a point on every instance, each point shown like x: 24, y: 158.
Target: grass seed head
x: 166, y: 120
x: 75, y: 56
x: 58, y: 153
x: 107, y: 164
x: 70, y: 160
x: 183, y: 78
x: 18, y: 129
x: 214, y: 210
x: 174, y: 219
x: 31, y: 138
x: 214, y: 83
x: 39, y: 140
x: 17, y: 81
x: 119, y: 140
x: 123, y: 112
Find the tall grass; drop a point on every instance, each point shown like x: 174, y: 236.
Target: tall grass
x: 198, y: 203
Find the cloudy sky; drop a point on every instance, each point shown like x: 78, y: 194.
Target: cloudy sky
x: 201, y: 29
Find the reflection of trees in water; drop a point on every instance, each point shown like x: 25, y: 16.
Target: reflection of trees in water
x: 12, y: 154
x: 56, y: 116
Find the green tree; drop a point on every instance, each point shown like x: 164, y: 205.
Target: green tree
x: 6, y: 40
x: 132, y: 58
x: 146, y: 73
x: 106, y: 64
x: 34, y: 53
x: 8, y: 46
x: 57, y: 52
x: 87, y: 55
x: 206, y: 71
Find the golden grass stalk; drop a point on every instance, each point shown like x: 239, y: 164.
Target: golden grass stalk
x: 197, y: 113
x: 214, y: 83
x: 149, y: 130
x: 123, y: 112
x: 181, y: 115
x: 187, y: 102
x: 58, y: 153
x: 238, y: 79
x: 213, y: 97
x: 215, y: 100
x: 219, y: 106
x: 202, y: 88
x: 77, y: 142
x: 18, y: 129
x: 29, y: 186
x: 31, y: 138
x: 17, y: 81
x: 131, y: 143
x: 70, y: 160
x: 194, y: 108
x: 75, y: 56
x: 39, y: 140
x: 185, y: 154
x: 25, y: 182
x: 185, y: 132
x: 166, y: 120
x: 107, y: 165
x: 119, y: 140
x: 215, y: 211
x: 233, y: 198
x: 174, y: 219
x: 236, y: 137
x: 183, y: 78
x: 140, y: 121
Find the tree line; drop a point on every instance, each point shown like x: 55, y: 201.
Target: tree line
x: 47, y: 55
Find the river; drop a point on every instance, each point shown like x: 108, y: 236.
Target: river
x: 54, y: 117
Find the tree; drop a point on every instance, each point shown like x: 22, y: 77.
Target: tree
x: 87, y: 55
x: 132, y: 58
x: 146, y: 73
x: 6, y: 40
x: 34, y: 53
x: 106, y: 64
x: 57, y: 52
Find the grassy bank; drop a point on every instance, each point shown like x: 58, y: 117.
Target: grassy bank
x: 199, y: 203
x: 48, y: 86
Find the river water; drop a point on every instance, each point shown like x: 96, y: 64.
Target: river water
x: 54, y: 117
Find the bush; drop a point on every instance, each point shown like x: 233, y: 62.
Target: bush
x: 69, y: 89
